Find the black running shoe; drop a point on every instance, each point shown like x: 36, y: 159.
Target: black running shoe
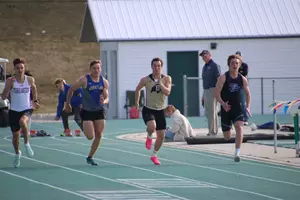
x: 91, y: 161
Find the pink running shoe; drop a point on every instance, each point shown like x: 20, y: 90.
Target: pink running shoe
x: 155, y: 160
x: 148, y: 143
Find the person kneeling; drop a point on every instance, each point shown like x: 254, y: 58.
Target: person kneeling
x: 76, y: 102
x: 181, y: 127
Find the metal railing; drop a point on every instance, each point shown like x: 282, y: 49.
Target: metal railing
x: 264, y: 91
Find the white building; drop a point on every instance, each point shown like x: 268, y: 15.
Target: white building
x: 132, y: 32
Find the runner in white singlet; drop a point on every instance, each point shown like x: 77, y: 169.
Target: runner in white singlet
x: 18, y: 87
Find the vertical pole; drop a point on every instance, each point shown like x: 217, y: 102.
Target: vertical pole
x: 185, y: 105
x: 4, y: 74
x: 262, y: 94
x: 274, y: 119
x: 296, y: 128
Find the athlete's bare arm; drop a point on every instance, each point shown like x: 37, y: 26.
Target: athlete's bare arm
x: 247, y: 92
x: 7, y: 87
x: 166, y: 85
x: 31, y: 81
x: 218, y: 89
x: 141, y: 84
x: 104, y: 96
x: 81, y: 82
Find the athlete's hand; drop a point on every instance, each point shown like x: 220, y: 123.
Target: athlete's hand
x: 56, y: 118
x: 160, y: 82
x: 68, y: 108
x: 226, y: 106
x: 36, y: 105
x: 248, y: 111
x: 101, y: 99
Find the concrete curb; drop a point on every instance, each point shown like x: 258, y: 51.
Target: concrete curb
x: 249, y: 151
x: 43, y: 116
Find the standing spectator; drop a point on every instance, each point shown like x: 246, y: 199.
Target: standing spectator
x: 244, y: 71
x: 210, y: 73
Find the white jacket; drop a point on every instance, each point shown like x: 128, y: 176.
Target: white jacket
x: 181, y: 126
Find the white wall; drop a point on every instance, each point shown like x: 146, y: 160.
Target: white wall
x: 265, y: 57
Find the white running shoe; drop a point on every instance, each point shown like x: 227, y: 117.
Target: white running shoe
x: 237, y: 158
x: 29, y: 151
x: 17, y: 159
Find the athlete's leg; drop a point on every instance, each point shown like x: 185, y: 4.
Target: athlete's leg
x: 24, y: 127
x: 160, y: 130
x: 77, y: 117
x: 88, y: 129
x: 226, y: 124
x: 14, y: 118
x: 149, y: 120
x: 161, y: 126
x: 24, y: 120
x: 65, y: 119
x: 160, y: 134
x: 99, y: 126
x: 151, y: 126
x: 238, y: 125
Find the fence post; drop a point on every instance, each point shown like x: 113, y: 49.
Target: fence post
x: 262, y: 94
x: 274, y: 118
x: 296, y: 126
x: 185, y: 106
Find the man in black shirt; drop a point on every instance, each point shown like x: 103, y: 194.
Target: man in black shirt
x: 227, y: 93
x: 244, y: 71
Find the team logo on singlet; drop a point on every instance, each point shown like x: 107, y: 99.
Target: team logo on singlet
x: 95, y: 87
x: 234, y: 87
x: 156, y: 88
x: 20, y: 90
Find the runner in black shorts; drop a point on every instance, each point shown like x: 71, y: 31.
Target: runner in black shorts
x: 228, y: 95
x: 157, y: 115
x: 94, y: 97
x: 158, y: 86
x: 19, y: 88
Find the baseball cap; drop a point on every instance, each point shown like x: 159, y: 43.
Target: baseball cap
x: 204, y: 52
x: 238, y: 53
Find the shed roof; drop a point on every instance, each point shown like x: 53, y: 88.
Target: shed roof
x: 119, y: 20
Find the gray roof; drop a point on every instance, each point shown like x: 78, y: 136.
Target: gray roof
x: 118, y: 20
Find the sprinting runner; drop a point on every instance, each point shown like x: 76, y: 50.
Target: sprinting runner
x: 21, y: 108
x: 95, y: 96
x: 158, y: 86
x: 228, y: 95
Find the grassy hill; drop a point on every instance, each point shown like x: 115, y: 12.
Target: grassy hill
x: 46, y: 34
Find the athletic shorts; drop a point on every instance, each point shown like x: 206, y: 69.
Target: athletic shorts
x: 15, y: 116
x: 92, y: 115
x: 157, y: 115
x: 229, y: 118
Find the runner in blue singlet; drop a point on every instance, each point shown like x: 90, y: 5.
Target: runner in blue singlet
x: 94, y: 97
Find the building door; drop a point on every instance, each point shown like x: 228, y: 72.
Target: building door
x: 179, y: 64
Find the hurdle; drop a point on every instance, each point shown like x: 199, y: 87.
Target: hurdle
x: 287, y: 105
